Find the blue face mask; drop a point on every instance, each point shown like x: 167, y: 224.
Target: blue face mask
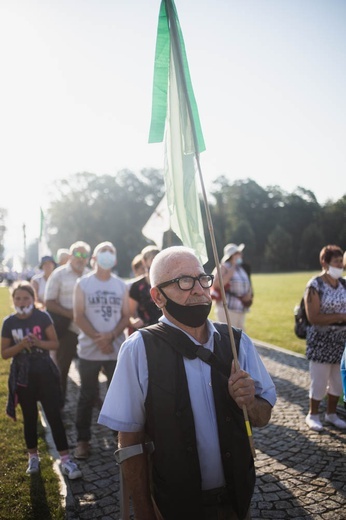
x: 106, y: 259
x: 239, y: 261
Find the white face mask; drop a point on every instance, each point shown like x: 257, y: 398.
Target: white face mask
x: 106, y: 260
x: 335, y: 272
x: 24, y: 310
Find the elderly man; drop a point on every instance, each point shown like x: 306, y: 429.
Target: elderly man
x: 59, y: 303
x: 191, y: 408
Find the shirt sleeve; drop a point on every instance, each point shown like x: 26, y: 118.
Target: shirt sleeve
x: 6, y: 329
x: 52, y: 287
x: 250, y: 361
x: 124, y: 405
x: 133, y: 292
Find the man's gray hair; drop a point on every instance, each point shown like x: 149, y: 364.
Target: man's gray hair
x: 163, y: 261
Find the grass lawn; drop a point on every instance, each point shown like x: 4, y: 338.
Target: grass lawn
x: 271, y: 316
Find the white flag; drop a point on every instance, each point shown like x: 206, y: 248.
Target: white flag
x: 158, y: 223
x: 175, y: 119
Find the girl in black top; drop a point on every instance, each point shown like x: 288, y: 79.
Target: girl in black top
x: 27, y: 337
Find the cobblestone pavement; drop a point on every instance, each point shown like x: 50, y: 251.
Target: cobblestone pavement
x: 300, y: 473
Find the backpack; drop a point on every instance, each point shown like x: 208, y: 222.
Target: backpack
x: 301, y: 322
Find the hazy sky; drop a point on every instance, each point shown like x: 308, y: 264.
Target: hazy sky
x: 269, y: 77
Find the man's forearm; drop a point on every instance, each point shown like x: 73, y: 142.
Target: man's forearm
x: 54, y: 306
x: 259, y: 412
x: 122, y: 324
x: 136, y: 474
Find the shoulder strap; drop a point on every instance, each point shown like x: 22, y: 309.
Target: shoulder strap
x: 182, y: 344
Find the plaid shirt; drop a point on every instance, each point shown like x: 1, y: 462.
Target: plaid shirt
x: 239, y: 286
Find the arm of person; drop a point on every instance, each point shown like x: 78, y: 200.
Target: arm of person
x: 79, y: 314
x: 8, y: 351
x: 313, y: 310
x: 241, y: 388
x: 54, y: 306
x: 227, y: 273
x: 136, y: 474
x: 125, y: 315
x: 51, y: 343
x: 30, y: 340
x: 251, y: 384
x: 35, y: 287
x: 51, y: 294
x: 134, y: 320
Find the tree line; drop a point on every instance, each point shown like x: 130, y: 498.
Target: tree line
x: 282, y: 231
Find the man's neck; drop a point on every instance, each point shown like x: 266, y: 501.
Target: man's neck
x: 200, y: 334
x: 103, y: 275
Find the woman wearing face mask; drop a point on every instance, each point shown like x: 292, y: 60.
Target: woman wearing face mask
x: 237, y: 285
x: 325, y: 303
x: 27, y: 337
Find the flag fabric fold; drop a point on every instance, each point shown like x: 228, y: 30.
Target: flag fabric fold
x: 175, y: 119
x: 158, y: 223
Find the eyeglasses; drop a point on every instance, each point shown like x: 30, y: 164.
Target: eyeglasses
x: 186, y: 283
x: 78, y: 254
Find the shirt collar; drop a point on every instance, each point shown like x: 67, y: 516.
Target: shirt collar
x: 211, y: 330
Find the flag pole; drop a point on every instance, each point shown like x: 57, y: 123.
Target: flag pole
x: 177, y: 50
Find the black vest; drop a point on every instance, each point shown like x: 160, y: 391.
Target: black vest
x: 175, y: 466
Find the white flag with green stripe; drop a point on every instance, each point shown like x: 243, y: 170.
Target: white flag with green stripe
x: 175, y: 119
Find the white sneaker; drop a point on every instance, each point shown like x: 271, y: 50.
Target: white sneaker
x: 34, y: 466
x: 332, y: 418
x: 71, y: 470
x: 314, y: 423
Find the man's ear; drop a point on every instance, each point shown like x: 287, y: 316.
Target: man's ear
x: 157, y: 297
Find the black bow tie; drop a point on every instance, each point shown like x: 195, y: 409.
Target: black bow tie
x: 181, y: 343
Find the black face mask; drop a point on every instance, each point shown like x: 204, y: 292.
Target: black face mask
x: 190, y: 315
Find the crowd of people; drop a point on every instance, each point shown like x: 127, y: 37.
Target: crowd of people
x: 192, y: 386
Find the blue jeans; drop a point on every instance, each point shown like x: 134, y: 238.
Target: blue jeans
x: 89, y: 391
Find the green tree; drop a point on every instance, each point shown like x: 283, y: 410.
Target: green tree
x: 95, y: 208
x: 311, y: 244
x: 278, y: 251
x: 334, y: 222
x: 282, y: 231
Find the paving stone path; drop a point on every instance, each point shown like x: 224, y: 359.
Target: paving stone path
x: 300, y: 473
